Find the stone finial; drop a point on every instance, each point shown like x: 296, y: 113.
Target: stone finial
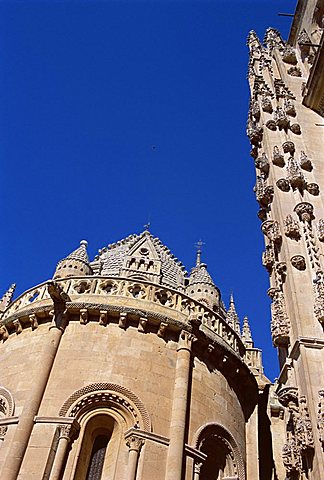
x: 75, y: 264
x: 232, y: 317
x: 246, y: 333
x: 7, y: 297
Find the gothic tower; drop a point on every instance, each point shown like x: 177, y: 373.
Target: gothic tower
x: 286, y: 130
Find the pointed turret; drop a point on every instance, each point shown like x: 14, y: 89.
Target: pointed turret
x: 246, y: 334
x: 7, y: 297
x: 201, y: 286
x: 232, y: 317
x: 76, y: 264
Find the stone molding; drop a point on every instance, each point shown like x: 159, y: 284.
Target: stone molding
x: 7, y: 408
x: 106, y: 393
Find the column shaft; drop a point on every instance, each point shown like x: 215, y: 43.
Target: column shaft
x: 59, y: 458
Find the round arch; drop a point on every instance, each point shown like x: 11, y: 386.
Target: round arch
x: 221, y: 436
x: 97, y: 395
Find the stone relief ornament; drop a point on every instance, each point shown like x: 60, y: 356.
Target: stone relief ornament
x: 313, y: 188
x: 82, y: 286
x: 262, y: 163
x: 281, y: 119
x: 266, y: 104
x: 298, y: 261
x: 263, y: 193
x: 288, y: 147
x: 319, y: 296
x: 280, y: 324
x: 291, y: 227
x: 283, y: 184
x: 304, y: 211
x: 303, y: 427
x: 268, y: 257
x: 254, y: 132
x: 291, y: 456
x: 278, y: 158
x: 320, y: 230
x: 305, y: 162
x: 289, y: 107
x: 271, y: 229
x: 294, y: 71
x: 255, y: 110
x: 289, y: 55
x: 271, y: 124
x: 320, y: 417
x: 294, y: 173
x: 295, y: 128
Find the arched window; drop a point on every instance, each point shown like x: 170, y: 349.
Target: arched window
x: 223, y: 458
x: 97, y: 457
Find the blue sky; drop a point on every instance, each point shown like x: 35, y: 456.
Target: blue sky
x: 114, y: 113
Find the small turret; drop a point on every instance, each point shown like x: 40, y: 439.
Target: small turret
x: 201, y: 286
x: 74, y: 265
x: 232, y: 317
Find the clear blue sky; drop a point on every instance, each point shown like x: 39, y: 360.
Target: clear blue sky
x: 116, y: 112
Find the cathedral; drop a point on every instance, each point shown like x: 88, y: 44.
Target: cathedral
x: 127, y: 367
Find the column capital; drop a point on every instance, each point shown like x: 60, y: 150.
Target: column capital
x: 134, y: 442
x: 69, y: 430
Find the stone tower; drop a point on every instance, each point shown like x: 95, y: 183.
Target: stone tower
x: 127, y: 368
x: 286, y: 130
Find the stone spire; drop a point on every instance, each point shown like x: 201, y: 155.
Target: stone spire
x: 232, y: 317
x: 7, y: 297
x: 201, y: 286
x: 76, y: 264
x: 246, y: 334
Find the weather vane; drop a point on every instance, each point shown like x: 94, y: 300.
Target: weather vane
x: 147, y: 226
x: 198, y: 246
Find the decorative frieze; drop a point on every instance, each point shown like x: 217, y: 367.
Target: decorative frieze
x: 291, y: 227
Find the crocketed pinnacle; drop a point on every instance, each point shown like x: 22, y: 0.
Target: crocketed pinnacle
x: 246, y: 333
x: 7, y: 297
x: 232, y: 317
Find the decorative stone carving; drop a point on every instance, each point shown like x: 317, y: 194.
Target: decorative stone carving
x: 320, y: 417
x: 4, y: 334
x: 268, y: 257
x: 262, y: 163
x: 271, y: 124
x: 295, y: 128
x: 298, y: 261
x: 291, y: 456
x: 289, y: 55
x: 289, y: 107
x: 303, y: 427
x: 283, y: 184
x: 294, y: 71
x: 304, y: 162
x: 313, y: 188
x: 142, y: 324
x: 162, y: 329
x: 263, y: 193
x: 271, y: 229
x: 288, y: 395
x: 134, y: 443
x: 304, y: 211
x: 278, y: 158
x: 82, y: 286
x: 255, y: 110
x: 295, y: 175
x: 18, y: 326
x: 291, y: 227
x: 319, y: 297
x: 280, y: 324
x: 83, y: 316
x: 186, y: 340
x: 254, y: 133
x: 288, y: 147
x: 108, y: 286
x: 266, y: 104
x: 254, y: 152
x: 281, y: 268
x: 320, y: 230
x: 33, y: 321
x: 281, y: 119
x: 103, y: 317
x: 122, y: 320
